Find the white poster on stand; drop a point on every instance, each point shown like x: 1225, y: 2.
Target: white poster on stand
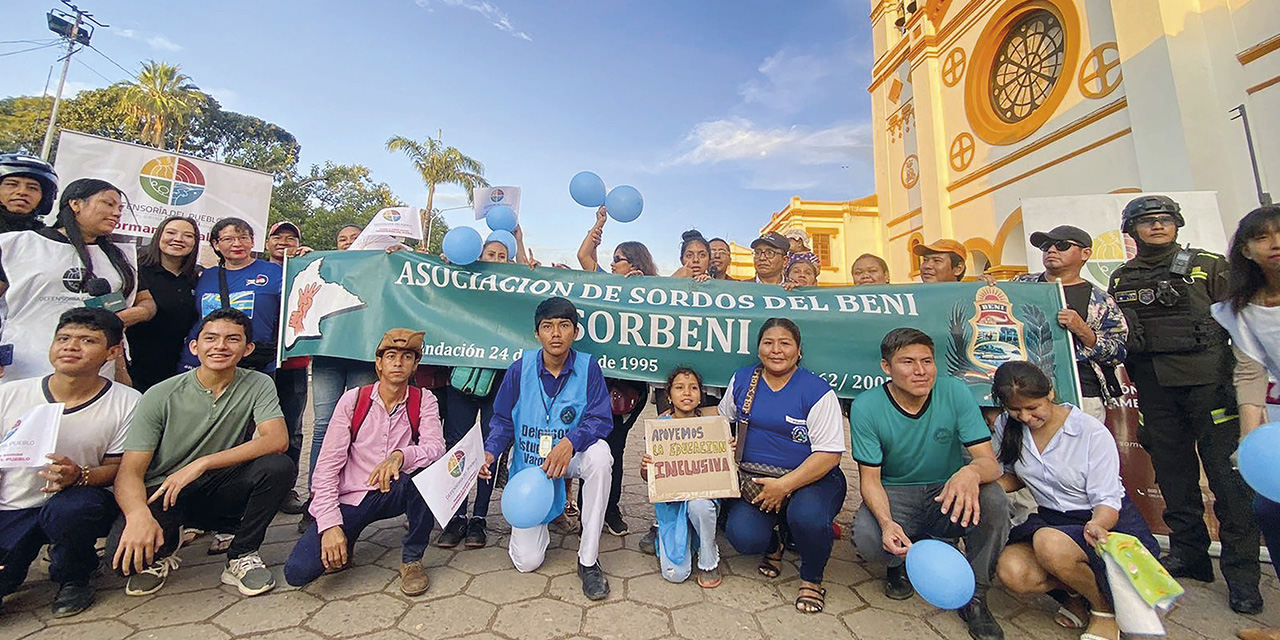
x: 159, y: 184
x: 25, y: 443
x: 485, y: 198
x: 447, y: 481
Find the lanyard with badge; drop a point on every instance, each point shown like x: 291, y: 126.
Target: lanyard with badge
x: 545, y: 439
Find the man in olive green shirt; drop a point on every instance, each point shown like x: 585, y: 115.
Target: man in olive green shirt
x: 188, y: 461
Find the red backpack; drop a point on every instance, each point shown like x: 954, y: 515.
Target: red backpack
x: 364, y: 402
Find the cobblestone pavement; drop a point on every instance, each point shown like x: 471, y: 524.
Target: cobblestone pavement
x: 476, y: 594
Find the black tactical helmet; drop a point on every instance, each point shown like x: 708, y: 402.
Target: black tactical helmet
x: 1149, y: 205
x: 17, y: 164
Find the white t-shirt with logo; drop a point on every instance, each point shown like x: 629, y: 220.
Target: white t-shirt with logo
x: 44, y: 276
x: 86, y: 435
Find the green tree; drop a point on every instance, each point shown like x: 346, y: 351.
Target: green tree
x: 437, y: 164
x: 22, y: 121
x: 160, y: 100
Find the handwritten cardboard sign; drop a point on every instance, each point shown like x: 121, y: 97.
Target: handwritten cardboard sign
x: 691, y: 459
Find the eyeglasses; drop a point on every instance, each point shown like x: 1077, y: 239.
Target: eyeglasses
x: 617, y: 259
x: 768, y: 254
x: 1060, y: 245
x: 1151, y: 221
x: 235, y: 239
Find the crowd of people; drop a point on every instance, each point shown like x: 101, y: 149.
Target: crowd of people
x: 178, y: 418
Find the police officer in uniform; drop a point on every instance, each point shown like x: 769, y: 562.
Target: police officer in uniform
x: 1181, y: 362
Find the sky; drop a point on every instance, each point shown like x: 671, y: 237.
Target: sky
x: 718, y: 112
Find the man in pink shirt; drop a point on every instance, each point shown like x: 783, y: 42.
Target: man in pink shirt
x: 362, y: 473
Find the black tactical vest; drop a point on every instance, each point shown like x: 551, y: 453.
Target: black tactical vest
x: 1169, y: 312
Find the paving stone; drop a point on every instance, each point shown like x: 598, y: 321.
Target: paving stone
x: 747, y: 594
x: 166, y: 609
x: 706, y: 621
x: 872, y: 592
x: 276, y: 553
x: 478, y: 561
x: 1035, y: 625
x: 625, y: 563
x: 1206, y: 612
x: 747, y: 566
x: 268, y: 612
x: 654, y: 590
x: 785, y: 623
x: 95, y: 630
x: 185, y: 632
x: 877, y: 624
x: 358, y: 580
x: 445, y: 582
x: 187, y: 578
x: 845, y: 572
x: 389, y: 634
x: 14, y: 625
x: 448, y: 617
x: 501, y: 587
x: 289, y: 634
x: 626, y: 621
x: 34, y: 596
x: 559, y: 562
x: 110, y: 602
x: 541, y: 619
x: 357, y: 617
x: 839, y: 599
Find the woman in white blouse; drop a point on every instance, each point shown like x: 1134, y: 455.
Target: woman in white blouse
x: 1071, y: 464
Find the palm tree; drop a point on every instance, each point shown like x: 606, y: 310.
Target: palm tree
x: 438, y: 164
x: 160, y: 99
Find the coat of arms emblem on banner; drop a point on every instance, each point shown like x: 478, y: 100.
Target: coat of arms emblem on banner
x: 997, y: 336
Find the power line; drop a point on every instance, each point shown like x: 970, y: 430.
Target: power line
x: 117, y: 64
x: 49, y: 41
x: 84, y: 64
x: 14, y: 53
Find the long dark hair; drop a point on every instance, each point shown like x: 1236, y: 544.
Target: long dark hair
x: 639, y: 257
x: 1025, y: 380
x: 681, y: 370
x: 83, y: 189
x: 1247, y: 277
x: 150, y: 254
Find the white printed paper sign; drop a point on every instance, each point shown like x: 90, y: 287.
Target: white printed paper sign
x: 485, y: 198
x: 447, y: 481
x: 387, y: 226
x: 33, y: 436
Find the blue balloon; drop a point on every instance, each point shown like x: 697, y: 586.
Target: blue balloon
x: 1260, y: 460
x: 624, y: 203
x: 462, y: 245
x: 527, y: 498
x: 501, y: 218
x: 505, y: 238
x: 940, y: 574
x: 587, y: 189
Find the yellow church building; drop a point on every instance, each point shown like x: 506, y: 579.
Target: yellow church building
x: 977, y: 104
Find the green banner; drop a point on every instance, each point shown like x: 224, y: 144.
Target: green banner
x: 481, y: 315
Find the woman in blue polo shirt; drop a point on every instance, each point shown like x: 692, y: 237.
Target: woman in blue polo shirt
x: 790, y: 437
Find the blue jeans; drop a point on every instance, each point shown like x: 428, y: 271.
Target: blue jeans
x: 330, y: 378
x: 702, y: 515
x: 71, y: 521
x: 459, y: 418
x: 809, y: 514
x: 304, y: 563
x: 291, y: 386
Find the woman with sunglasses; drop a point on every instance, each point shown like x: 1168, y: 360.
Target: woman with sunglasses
x: 629, y: 258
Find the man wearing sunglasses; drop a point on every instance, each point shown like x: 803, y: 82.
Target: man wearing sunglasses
x: 1092, y: 316
x: 1181, y: 363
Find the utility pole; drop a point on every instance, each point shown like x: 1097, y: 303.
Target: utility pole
x: 73, y: 32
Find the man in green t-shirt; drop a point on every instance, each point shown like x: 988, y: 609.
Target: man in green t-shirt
x: 909, y: 438
x: 189, y: 461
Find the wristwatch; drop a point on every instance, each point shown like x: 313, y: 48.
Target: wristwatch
x: 84, y: 477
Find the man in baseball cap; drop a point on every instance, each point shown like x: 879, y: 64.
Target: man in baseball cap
x: 941, y: 261
x: 284, y: 238
x: 769, y: 253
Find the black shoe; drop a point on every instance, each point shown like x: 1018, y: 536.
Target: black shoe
x: 594, y: 585
x: 294, y: 504
x: 897, y: 586
x: 453, y: 533
x: 649, y: 543
x: 982, y: 625
x: 1245, y: 600
x: 305, y: 521
x: 614, y: 524
x: 74, y: 598
x: 476, y: 536
x: 1177, y: 567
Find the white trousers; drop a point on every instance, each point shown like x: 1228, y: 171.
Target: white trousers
x: 528, y: 547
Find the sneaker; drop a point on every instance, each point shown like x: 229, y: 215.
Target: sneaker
x: 594, y: 585
x: 1178, y: 567
x: 249, y: 574
x: 453, y: 533
x: 294, y: 504
x: 982, y: 625
x: 72, y: 598
x: 413, y: 579
x: 151, y: 579
x: 897, y: 586
x: 649, y: 543
x: 614, y: 524
x: 477, y: 538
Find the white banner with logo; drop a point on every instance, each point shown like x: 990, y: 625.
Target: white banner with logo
x: 447, y: 481
x: 388, y: 226
x: 160, y: 184
x: 485, y: 198
x: 1099, y: 215
x: 26, y: 442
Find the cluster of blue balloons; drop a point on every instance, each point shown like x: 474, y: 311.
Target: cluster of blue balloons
x: 527, y: 498
x: 940, y: 574
x: 623, y: 203
x: 1259, y: 459
x: 463, y: 245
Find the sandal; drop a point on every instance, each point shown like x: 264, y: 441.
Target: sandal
x: 771, y: 564
x: 1069, y: 614
x: 1094, y: 636
x: 811, y: 599
x: 221, y: 542
x: 709, y: 578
